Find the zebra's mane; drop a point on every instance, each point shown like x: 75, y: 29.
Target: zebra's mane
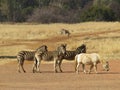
x: 81, y: 49
x: 41, y: 47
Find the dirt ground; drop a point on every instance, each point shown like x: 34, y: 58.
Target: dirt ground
x: 10, y: 79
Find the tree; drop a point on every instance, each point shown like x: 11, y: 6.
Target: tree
x: 105, y: 3
x: 68, y: 11
x: 98, y: 14
x: 115, y: 6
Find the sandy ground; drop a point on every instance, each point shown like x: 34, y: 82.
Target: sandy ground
x: 10, y: 79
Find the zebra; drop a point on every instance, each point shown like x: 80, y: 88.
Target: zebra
x: 28, y: 55
x: 56, y: 55
x: 65, y: 32
x: 70, y: 55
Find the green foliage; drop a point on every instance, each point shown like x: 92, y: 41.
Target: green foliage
x: 44, y: 2
x: 118, y: 1
x: 102, y: 2
x: 69, y: 11
x: 98, y: 14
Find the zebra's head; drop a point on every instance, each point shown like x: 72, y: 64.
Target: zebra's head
x: 42, y: 49
x: 81, y: 49
x: 61, y: 49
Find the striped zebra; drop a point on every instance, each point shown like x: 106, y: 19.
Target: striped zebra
x: 56, y: 55
x: 65, y: 32
x: 28, y: 55
x: 70, y: 55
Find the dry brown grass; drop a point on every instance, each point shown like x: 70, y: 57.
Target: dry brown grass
x: 100, y: 37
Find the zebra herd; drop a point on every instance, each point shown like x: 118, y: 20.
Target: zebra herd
x: 42, y: 53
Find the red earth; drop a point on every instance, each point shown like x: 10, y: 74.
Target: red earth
x: 10, y: 79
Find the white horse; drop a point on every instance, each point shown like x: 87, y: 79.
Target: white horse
x: 89, y: 59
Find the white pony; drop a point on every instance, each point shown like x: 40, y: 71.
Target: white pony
x: 90, y: 59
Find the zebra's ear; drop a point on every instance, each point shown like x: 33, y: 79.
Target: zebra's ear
x: 46, y: 47
x: 65, y: 45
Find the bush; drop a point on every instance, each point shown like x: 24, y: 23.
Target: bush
x: 98, y: 14
x: 53, y: 15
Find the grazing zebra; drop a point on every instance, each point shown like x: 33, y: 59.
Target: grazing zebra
x: 28, y: 55
x: 56, y: 55
x: 65, y: 32
x: 70, y: 55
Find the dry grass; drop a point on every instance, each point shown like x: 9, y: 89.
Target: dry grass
x: 100, y: 37
x: 42, y: 31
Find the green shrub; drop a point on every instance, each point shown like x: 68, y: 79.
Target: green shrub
x: 98, y: 14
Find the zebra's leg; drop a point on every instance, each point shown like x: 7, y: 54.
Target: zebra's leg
x: 34, y: 65
x: 38, y: 63
x: 95, y: 68
x: 19, y: 67
x: 37, y: 60
x: 59, y: 64
x: 83, y: 66
x: 55, y: 65
x: 68, y: 34
x: 23, y: 67
x: 90, y: 68
x: 19, y: 64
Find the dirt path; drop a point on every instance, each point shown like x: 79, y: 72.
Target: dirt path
x: 53, y: 39
x: 68, y: 80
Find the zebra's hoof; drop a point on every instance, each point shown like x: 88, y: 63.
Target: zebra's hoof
x: 38, y: 72
x: 19, y: 71
x: 96, y: 72
x: 77, y: 72
x: 24, y: 71
x: 89, y: 72
x: 56, y: 71
x: 61, y: 71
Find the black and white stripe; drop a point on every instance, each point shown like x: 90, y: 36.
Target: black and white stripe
x: 28, y: 55
x: 70, y: 55
x: 56, y: 55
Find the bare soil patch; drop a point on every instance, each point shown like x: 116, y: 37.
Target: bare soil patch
x: 10, y: 79
x: 99, y: 37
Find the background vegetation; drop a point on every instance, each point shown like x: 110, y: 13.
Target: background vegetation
x: 64, y: 11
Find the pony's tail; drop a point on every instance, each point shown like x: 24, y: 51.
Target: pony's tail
x: 76, y: 63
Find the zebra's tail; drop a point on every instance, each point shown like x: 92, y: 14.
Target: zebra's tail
x: 76, y: 63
